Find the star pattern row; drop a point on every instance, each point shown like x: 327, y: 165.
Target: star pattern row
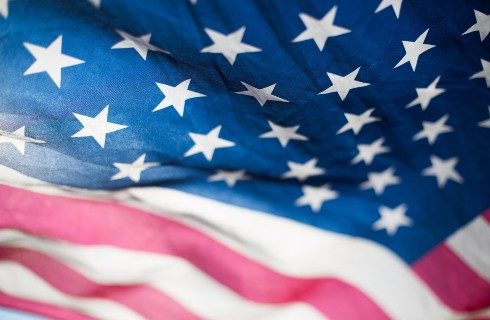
x: 51, y: 60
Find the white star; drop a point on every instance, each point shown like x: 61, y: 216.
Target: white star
x: 342, y: 85
x: 17, y: 138
x: 176, y: 96
x: 414, y: 49
x: 485, y: 73
x: 367, y: 152
x: 431, y: 130
x: 207, y: 143
x: 50, y: 60
x: 4, y: 8
x: 425, y: 95
x: 229, y: 177
x: 380, y: 180
x: 356, y: 122
x: 482, y: 25
x: 95, y: 3
x: 315, y: 196
x: 485, y: 123
x: 443, y: 170
x: 97, y: 127
x: 140, y: 44
x: 229, y: 45
x: 133, y: 170
x: 261, y: 95
x: 320, y: 29
x: 283, y: 134
x: 303, y: 171
x: 395, y: 4
x: 392, y: 219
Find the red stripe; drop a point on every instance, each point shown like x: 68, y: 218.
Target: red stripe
x: 452, y: 280
x: 486, y: 215
x: 40, y: 308
x: 90, y: 222
x: 143, y: 299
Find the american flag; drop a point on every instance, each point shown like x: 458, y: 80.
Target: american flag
x: 245, y: 160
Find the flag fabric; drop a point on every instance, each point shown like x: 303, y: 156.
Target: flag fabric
x: 10, y: 314
x: 246, y: 160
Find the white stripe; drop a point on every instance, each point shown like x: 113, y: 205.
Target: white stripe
x: 299, y: 250
x: 170, y: 275
x: 286, y: 246
x: 11, y: 176
x: 20, y: 282
x: 472, y: 244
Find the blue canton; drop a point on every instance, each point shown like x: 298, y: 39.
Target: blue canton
x: 353, y: 116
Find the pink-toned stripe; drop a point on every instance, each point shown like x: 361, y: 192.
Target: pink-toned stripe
x: 486, y: 215
x: 452, y: 280
x: 91, y: 222
x: 143, y: 299
x: 41, y: 309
